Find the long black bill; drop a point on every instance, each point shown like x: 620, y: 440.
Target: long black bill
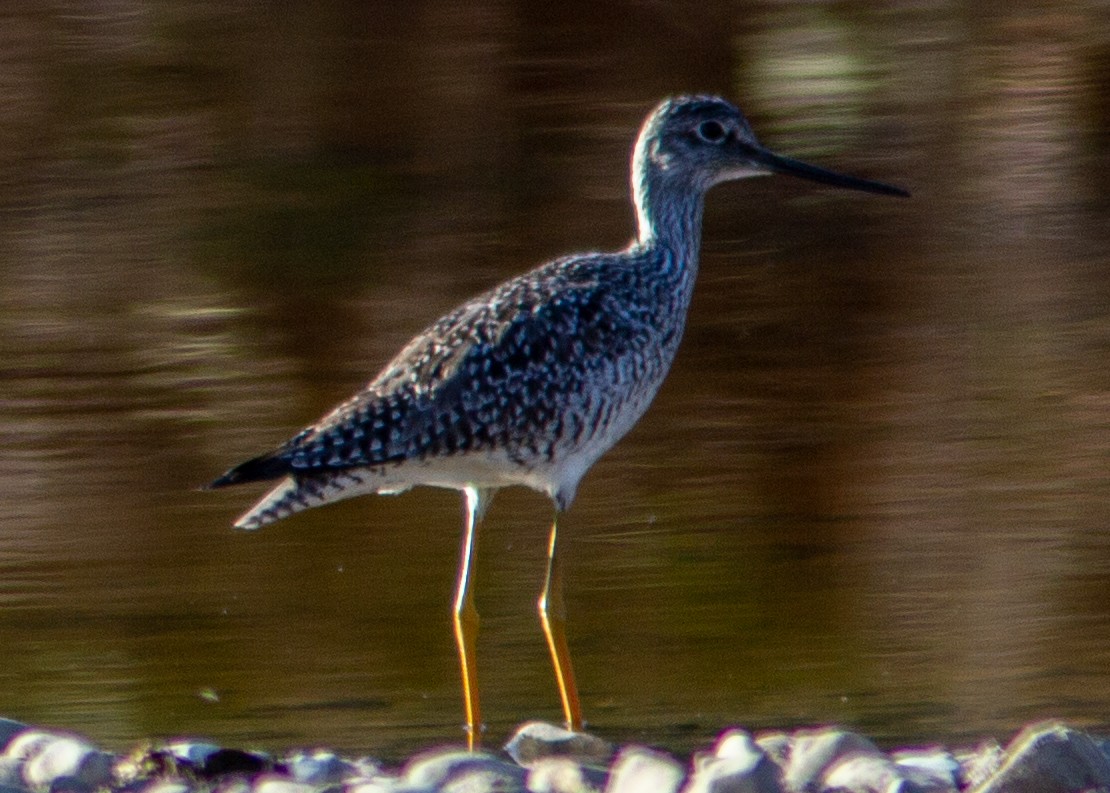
x: 780, y: 164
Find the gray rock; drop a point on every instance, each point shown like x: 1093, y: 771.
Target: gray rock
x: 11, y: 771
x: 638, y: 770
x: 812, y: 752
x: 456, y: 771
x: 319, y: 768
x: 69, y: 759
x: 1050, y: 758
x: 867, y: 773
x: 776, y: 745
x: 537, y: 739
x: 737, y: 765
x: 563, y: 775
x: 365, y: 768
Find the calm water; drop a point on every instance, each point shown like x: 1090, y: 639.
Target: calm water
x: 874, y: 490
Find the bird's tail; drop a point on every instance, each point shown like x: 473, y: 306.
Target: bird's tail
x: 300, y: 492
x: 281, y: 502
x: 257, y: 469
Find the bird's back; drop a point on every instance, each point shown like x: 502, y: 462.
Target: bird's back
x: 526, y: 384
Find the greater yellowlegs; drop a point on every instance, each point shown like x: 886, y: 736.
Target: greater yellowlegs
x: 531, y: 382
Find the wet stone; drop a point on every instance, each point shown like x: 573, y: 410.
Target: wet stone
x: 29, y: 743
x: 319, y: 768
x: 812, y: 752
x: 563, y: 775
x: 776, y: 745
x: 866, y: 773
x: 67, y: 762
x: 11, y: 772
x: 1044, y: 758
x: 536, y: 740
x: 1050, y: 758
x: 737, y: 765
x: 456, y: 771
x: 637, y: 770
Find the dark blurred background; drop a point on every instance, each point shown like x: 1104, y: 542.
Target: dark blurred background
x: 874, y: 490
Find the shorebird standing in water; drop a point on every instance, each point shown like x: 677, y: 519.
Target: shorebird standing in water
x: 531, y: 382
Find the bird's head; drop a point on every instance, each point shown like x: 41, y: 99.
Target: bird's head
x: 700, y: 141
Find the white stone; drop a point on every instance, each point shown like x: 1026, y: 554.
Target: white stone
x: 319, y: 768
x: 863, y: 773
x: 454, y: 769
x: 814, y: 751
x: 68, y: 757
x: 639, y: 770
x: 557, y: 775
x: 29, y: 743
x: 537, y: 739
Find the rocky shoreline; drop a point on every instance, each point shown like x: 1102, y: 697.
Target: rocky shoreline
x: 1047, y: 757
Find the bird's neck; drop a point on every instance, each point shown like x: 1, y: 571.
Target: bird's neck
x: 668, y: 213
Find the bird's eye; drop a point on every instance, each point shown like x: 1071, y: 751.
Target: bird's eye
x: 711, y: 131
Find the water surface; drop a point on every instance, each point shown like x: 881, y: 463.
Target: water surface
x: 873, y: 491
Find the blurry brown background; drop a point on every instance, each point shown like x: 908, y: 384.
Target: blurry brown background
x: 874, y: 490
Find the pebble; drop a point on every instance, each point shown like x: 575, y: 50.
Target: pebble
x: 11, y: 771
x: 639, y: 770
x: 537, y: 740
x: 865, y: 773
x: 737, y: 765
x: 813, y: 752
x: 28, y: 743
x: 457, y: 770
x: 321, y: 767
x: 67, y: 762
x: 563, y: 775
x: 1048, y: 757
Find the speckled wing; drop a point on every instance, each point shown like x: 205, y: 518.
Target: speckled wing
x: 516, y: 369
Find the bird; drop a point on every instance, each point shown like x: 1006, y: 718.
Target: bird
x: 532, y: 381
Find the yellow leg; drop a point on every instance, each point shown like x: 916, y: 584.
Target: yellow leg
x: 553, y: 617
x: 466, y: 615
